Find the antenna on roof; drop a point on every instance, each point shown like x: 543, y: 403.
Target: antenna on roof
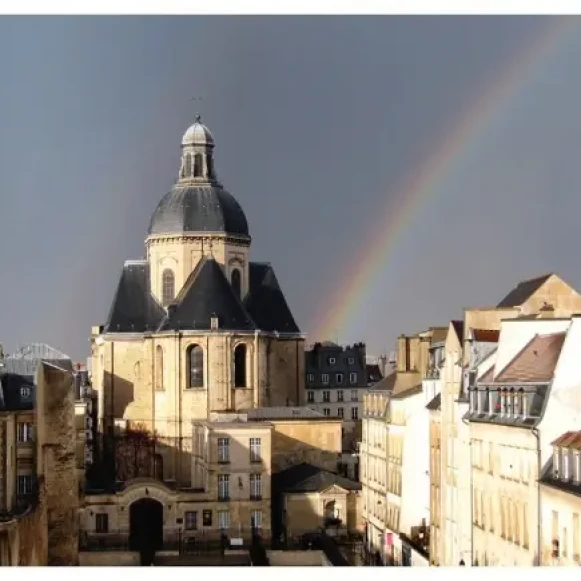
x: 198, y: 116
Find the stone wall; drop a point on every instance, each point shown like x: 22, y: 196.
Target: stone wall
x: 316, y: 442
x: 56, y: 470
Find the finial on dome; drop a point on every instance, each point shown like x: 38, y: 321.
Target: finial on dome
x: 198, y: 118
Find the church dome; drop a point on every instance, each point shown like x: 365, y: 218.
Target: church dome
x: 198, y: 209
x: 198, y: 134
x: 198, y: 203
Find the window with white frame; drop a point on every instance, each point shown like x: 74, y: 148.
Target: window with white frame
x: 223, y: 486
x: 191, y: 521
x: 354, y: 413
x: 339, y: 378
x: 24, y: 484
x: 311, y: 377
x: 224, y: 519
x: 326, y: 396
x: 340, y: 395
x: 223, y: 449
x: 332, y: 361
x: 351, y: 360
x: 577, y: 467
x: 25, y: 432
x: 255, y: 450
x: 310, y: 396
x: 255, y: 486
x: 326, y: 412
x: 325, y: 378
x: 256, y: 519
x: 354, y: 395
x: 353, y: 377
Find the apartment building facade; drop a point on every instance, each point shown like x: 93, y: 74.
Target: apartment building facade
x: 336, y: 379
x: 561, y: 503
x: 373, y: 462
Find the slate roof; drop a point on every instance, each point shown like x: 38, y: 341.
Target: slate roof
x: 435, y: 403
x: 17, y: 393
x: 373, y: 374
x: 266, y: 302
x: 308, y: 478
x: 196, y: 209
x: 134, y: 309
x: 386, y: 384
x: 206, y: 293
x: 536, y: 362
x: 523, y: 291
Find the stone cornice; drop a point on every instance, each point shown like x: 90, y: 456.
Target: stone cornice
x: 185, y: 238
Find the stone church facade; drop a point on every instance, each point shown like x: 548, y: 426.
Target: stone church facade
x: 196, y: 327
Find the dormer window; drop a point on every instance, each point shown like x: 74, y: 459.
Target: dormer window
x: 556, y: 462
x: 577, y: 467
x: 473, y: 399
x: 565, y: 468
x: 332, y: 361
x: 503, y: 402
x: 517, y: 402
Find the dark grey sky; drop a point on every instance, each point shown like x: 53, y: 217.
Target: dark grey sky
x: 316, y: 119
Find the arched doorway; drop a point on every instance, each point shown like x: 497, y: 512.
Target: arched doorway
x: 146, y: 528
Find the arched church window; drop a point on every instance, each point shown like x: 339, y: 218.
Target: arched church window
x: 210, y: 166
x: 159, y: 367
x: 198, y: 165
x: 195, y: 359
x: 236, y: 282
x: 240, y: 366
x: 167, y: 287
x: 188, y: 165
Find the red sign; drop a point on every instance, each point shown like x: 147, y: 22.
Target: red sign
x: 389, y: 539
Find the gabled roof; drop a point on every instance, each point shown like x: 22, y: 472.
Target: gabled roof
x: 571, y: 440
x: 536, y: 362
x: 308, y: 478
x: 407, y: 391
x: 458, y: 327
x: 487, y: 376
x: 385, y: 384
x: 134, y: 310
x: 523, y: 291
x: 206, y: 294
x: 266, y: 303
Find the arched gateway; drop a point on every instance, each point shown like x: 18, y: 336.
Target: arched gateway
x: 146, y: 528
